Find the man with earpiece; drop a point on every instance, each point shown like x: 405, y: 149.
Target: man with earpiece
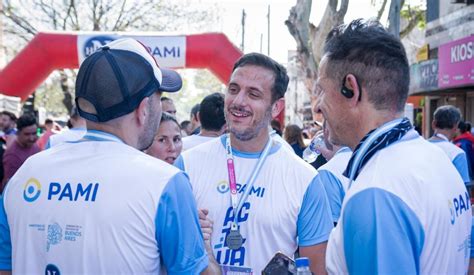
x: 406, y: 210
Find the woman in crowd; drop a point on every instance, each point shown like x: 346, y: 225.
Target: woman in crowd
x: 167, y: 144
x: 293, y: 135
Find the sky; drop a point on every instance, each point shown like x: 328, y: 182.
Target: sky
x: 280, y: 39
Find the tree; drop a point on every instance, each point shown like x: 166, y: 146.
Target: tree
x: 310, y: 38
x: 25, y: 18
x: 412, y: 15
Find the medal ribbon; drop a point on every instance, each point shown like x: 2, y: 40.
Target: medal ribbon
x: 236, y: 203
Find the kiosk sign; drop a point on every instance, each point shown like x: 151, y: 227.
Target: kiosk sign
x: 456, y: 63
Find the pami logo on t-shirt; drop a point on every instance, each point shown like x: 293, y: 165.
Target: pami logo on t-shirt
x: 61, y: 191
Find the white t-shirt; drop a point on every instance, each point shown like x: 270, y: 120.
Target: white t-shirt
x: 73, y: 134
x: 194, y: 140
x: 407, y: 212
x: 99, y: 206
x: 457, y: 157
x: 335, y: 183
x: 286, y: 206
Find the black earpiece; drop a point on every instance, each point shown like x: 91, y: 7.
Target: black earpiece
x: 349, y: 93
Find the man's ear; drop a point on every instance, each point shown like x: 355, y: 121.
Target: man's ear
x: 142, y: 111
x: 277, y: 107
x: 350, y: 82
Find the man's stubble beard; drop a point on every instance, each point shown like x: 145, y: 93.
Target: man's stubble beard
x: 253, y: 131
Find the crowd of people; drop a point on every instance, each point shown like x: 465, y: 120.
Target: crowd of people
x: 130, y: 189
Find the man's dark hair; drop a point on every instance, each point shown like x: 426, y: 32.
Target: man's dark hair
x: 48, y: 121
x: 185, y: 124
x: 211, y: 113
x: 195, y: 109
x: 25, y: 121
x: 375, y: 57
x: 446, y: 117
x: 164, y: 98
x: 281, y: 77
x: 468, y: 126
x: 462, y: 126
x: 9, y: 114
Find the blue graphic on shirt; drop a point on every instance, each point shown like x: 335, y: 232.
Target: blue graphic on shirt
x: 225, y: 255
x: 55, y: 235
x: 51, y: 269
x: 32, y: 190
x: 72, y: 192
x: 458, y: 205
x: 223, y: 188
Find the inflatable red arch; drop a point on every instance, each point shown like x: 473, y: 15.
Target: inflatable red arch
x: 51, y: 51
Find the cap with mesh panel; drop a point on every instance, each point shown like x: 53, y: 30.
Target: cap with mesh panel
x: 117, y: 77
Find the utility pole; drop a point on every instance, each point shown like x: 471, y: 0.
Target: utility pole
x: 268, y: 18
x: 242, y: 46
x: 394, y: 17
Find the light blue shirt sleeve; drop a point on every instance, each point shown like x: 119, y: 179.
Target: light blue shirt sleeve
x: 460, y: 162
x: 334, y: 191
x: 314, y: 219
x: 382, y: 235
x: 5, y: 240
x: 179, y: 163
x: 472, y: 238
x: 48, y: 144
x: 178, y: 232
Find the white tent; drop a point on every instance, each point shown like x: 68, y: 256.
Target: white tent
x: 11, y: 104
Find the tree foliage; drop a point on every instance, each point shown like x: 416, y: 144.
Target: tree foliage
x: 25, y: 18
x: 310, y: 38
x: 413, y: 15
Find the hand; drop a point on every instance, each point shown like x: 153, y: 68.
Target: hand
x: 206, y: 228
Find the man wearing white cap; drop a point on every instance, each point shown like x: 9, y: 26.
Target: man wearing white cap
x: 109, y: 208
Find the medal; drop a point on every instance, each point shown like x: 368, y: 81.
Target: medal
x: 234, y: 240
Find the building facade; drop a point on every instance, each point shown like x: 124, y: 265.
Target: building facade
x: 445, y: 75
x: 297, y: 97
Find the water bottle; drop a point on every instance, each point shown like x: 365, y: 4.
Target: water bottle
x: 312, y: 151
x: 302, y: 266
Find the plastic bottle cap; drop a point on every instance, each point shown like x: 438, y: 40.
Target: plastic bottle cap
x: 303, y: 261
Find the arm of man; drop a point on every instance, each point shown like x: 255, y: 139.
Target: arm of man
x: 382, y: 235
x: 206, y: 228
x: 314, y: 225
x: 461, y: 164
x: 11, y: 163
x: 5, y: 242
x: 334, y: 191
x: 178, y: 232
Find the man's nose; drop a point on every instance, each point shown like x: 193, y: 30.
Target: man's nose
x: 239, y: 99
x: 317, y: 105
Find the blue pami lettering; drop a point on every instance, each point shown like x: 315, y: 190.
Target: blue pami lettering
x: 224, y: 255
x: 73, y: 192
